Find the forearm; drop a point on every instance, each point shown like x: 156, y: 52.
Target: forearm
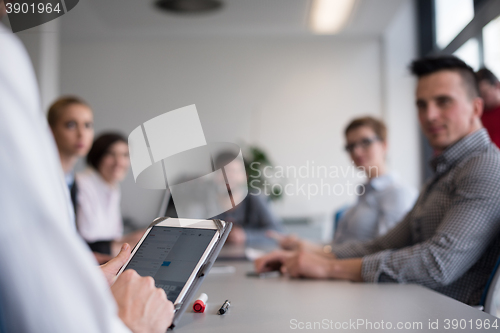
x: 396, y: 238
x: 324, y: 251
x: 346, y: 269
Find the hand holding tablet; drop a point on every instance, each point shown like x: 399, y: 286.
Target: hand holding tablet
x: 141, y: 306
x: 177, y: 253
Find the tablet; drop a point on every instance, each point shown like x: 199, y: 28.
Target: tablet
x: 173, y: 251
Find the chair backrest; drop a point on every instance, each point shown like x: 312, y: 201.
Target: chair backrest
x: 491, y: 295
x: 338, y: 215
x: 2, y: 326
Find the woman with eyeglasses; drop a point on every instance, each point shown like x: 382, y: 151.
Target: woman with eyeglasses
x: 383, y: 203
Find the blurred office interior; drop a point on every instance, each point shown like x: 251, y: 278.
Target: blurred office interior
x: 263, y: 74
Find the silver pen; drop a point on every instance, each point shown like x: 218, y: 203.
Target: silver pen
x: 223, y: 309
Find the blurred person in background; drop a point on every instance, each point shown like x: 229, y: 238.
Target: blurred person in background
x: 384, y: 201
x: 71, y: 121
x: 252, y: 218
x: 98, y: 217
x: 489, y: 89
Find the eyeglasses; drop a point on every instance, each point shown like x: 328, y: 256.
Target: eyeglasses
x: 363, y: 143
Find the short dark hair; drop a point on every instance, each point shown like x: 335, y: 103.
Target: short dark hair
x: 429, y: 65
x: 101, y: 146
x: 59, y: 105
x: 375, y: 124
x: 485, y: 74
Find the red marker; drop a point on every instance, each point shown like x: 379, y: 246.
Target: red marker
x: 200, y: 303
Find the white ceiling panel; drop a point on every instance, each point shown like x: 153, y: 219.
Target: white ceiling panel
x: 98, y: 19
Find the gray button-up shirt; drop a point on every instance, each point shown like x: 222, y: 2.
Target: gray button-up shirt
x: 383, y: 204
x: 450, y: 240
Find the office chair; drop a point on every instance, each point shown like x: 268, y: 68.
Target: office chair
x: 490, y: 300
x: 2, y: 328
x: 338, y: 215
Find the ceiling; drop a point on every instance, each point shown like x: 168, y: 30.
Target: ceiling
x: 101, y: 19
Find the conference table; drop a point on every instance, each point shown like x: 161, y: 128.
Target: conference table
x: 275, y: 303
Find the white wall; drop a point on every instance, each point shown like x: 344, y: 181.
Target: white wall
x: 399, y: 49
x: 42, y: 44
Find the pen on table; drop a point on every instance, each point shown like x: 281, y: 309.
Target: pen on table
x: 200, y: 303
x: 223, y: 309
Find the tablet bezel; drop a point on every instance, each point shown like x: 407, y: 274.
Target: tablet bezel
x: 182, y: 223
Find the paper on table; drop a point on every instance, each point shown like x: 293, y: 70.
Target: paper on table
x: 253, y: 254
x: 222, y: 270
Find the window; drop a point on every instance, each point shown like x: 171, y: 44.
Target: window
x: 491, y: 44
x: 469, y: 52
x: 451, y: 17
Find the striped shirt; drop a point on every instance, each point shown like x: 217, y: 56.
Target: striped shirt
x: 450, y: 240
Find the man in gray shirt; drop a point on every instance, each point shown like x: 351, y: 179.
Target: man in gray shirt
x: 450, y: 240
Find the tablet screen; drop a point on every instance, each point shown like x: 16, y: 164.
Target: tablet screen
x: 170, y: 255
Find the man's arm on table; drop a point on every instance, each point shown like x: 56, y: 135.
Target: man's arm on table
x: 310, y: 265
x: 466, y: 230
x: 397, y: 237
x: 345, y: 261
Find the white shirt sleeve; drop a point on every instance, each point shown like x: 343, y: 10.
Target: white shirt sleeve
x: 49, y: 282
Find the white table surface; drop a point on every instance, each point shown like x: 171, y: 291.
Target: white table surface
x: 279, y: 304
